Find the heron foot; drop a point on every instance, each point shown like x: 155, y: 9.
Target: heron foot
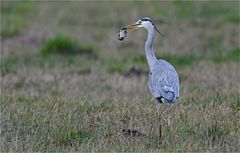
x: 160, y: 132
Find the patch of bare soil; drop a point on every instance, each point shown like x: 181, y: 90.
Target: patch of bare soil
x: 136, y: 72
x: 132, y: 133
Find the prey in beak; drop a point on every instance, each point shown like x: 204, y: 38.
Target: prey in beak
x: 123, y: 32
x: 143, y: 23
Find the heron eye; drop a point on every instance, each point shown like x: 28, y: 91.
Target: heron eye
x: 140, y: 22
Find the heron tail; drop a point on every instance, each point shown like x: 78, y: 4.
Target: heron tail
x: 168, y: 94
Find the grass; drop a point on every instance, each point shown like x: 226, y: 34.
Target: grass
x: 207, y: 11
x: 115, y: 66
x: 233, y: 54
x: 13, y: 29
x: 79, y: 62
x: 87, y: 87
x: 8, y: 66
x: 65, y: 45
x: 181, y: 60
x: 74, y: 124
x: 14, y: 17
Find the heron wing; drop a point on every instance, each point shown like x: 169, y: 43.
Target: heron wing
x: 164, y: 81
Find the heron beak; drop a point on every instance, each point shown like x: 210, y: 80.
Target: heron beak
x: 133, y: 26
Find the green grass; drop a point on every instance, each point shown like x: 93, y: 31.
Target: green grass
x: 181, y: 60
x: 65, y: 45
x: 19, y: 8
x: 79, y: 62
x: 122, y: 66
x: 87, y: 86
x: 211, y: 10
x: 215, y: 43
x: 8, y: 66
x: 11, y: 26
x: 232, y: 55
x: 217, y: 131
x: 14, y: 17
x: 233, y: 18
x: 115, y: 66
x: 52, y: 123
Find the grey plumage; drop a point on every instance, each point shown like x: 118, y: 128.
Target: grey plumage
x: 163, y: 80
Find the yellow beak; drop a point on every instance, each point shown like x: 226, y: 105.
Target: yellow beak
x: 133, y: 26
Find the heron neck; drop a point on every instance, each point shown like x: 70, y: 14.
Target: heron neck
x: 151, y: 58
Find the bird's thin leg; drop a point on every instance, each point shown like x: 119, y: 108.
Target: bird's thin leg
x: 159, y: 125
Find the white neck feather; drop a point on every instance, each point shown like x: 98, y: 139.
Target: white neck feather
x: 151, y: 58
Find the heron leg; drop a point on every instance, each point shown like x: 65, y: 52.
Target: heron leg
x: 159, y: 124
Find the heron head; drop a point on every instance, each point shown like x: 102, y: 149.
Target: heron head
x: 144, y: 23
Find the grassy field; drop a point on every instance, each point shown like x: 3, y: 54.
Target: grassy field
x: 68, y: 84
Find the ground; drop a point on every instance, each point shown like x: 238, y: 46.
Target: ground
x: 82, y: 102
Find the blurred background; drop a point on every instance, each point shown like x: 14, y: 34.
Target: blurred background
x: 61, y: 58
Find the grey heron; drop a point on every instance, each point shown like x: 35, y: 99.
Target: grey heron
x: 163, y: 80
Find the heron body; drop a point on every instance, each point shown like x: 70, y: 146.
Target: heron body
x: 163, y: 80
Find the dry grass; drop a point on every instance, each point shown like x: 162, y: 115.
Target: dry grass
x: 73, y: 103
